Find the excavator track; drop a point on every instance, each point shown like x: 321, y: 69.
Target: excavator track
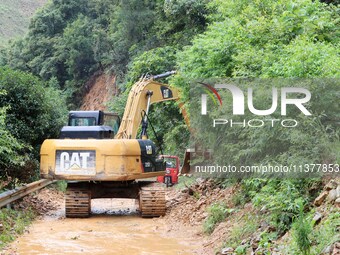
x: 77, y: 202
x: 152, y: 201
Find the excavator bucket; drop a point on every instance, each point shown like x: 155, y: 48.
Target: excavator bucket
x: 199, y: 152
x: 186, y: 162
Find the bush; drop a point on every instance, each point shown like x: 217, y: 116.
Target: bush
x: 326, y: 233
x: 14, y: 223
x: 184, y: 181
x: 9, y: 145
x: 302, y: 230
x: 284, y: 199
x: 244, y: 230
x: 35, y: 111
x: 217, y: 213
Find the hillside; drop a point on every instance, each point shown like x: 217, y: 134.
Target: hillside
x: 14, y: 17
x: 267, y: 149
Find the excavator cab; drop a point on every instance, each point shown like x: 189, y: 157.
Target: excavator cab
x: 90, y: 124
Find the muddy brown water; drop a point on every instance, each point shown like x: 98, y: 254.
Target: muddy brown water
x: 114, y: 228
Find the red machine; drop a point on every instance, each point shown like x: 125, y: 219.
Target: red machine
x: 171, y: 171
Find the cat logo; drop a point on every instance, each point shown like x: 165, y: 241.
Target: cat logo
x: 148, y: 149
x: 166, y: 93
x: 75, y: 162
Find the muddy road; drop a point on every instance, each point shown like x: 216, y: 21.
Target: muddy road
x: 114, y: 228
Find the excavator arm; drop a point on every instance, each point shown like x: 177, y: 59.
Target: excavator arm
x: 143, y: 93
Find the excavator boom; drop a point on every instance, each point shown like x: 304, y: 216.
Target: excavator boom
x: 138, y: 102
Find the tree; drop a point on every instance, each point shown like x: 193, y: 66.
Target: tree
x: 9, y: 145
x: 35, y: 112
x: 269, y: 39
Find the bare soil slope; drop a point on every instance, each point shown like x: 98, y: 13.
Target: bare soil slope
x: 99, y: 90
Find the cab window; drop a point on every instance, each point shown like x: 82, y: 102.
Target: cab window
x: 89, y: 121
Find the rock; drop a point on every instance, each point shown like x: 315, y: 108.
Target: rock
x: 332, y: 184
x: 263, y: 209
x: 332, y: 195
x: 317, y: 217
x: 260, y: 251
x: 264, y: 225
x: 336, y: 248
x: 185, y: 190
x: 337, y: 202
x: 271, y: 228
x: 228, y: 250
x: 338, y: 191
x: 319, y: 200
x: 244, y: 241
x: 255, y: 242
x: 327, y: 250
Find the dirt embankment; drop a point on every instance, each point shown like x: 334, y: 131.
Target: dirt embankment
x: 188, y: 209
x: 44, y: 202
x: 245, y: 225
x: 100, y: 88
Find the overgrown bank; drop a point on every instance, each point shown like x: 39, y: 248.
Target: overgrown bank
x: 15, y: 219
x: 234, y: 222
x: 13, y: 223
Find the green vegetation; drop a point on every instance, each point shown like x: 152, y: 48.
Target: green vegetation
x: 284, y: 199
x: 248, y: 226
x: 68, y: 41
x: 267, y: 40
x: 31, y: 112
x: 61, y: 186
x: 308, y: 238
x: 302, y: 230
x: 184, y: 181
x: 217, y: 213
x: 326, y: 233
x: 14, y: 223
x: 14, y: 18
x: 9, y: 145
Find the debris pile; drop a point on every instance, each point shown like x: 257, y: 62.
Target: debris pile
x: 189, y: 206
x: 330, y: 194
x: 42, y: 202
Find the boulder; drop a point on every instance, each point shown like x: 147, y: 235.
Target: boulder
x: 337, y: 202
x: 332, y: 184
x: 332, y: 195
x: 317, y: 217
x: 336, y: 248
x: 327, y: 250
x: 228, y: 250
x: 319, y: 200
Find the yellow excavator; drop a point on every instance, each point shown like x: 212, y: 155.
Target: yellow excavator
x: 101, y: 157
